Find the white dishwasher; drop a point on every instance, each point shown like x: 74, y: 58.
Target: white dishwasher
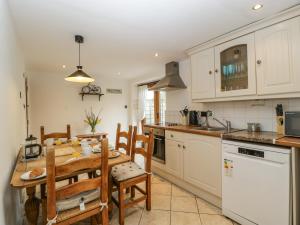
x: 256, y: 183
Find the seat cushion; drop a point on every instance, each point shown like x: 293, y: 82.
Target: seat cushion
x: 74, y: 201
x: 126, y: 171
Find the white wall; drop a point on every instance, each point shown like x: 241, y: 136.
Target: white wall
x: 12, y: 116
x: 55, y: 103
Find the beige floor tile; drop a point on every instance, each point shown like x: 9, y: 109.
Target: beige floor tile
x: 184, y: 204
x: 161, y: 202
x: 155, y: 217
x: 214, y: 220
x: 158, y: 180
x: 207, y: 208
x: 179, y: 192
x: 161, y: 189
x: 182, y: 218
x: 132, y: 216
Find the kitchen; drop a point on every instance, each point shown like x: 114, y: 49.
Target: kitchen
x: 222, y: 107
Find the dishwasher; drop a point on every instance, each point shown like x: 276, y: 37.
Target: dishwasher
x: 256, y: 183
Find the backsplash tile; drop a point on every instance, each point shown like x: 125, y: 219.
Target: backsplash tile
x: 242, y: 112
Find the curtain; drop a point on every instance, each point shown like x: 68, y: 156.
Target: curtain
x: 142, y: 91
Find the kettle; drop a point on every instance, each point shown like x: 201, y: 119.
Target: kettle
x: 32, y: 148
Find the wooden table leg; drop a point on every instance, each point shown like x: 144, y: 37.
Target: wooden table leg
x: 110, y: 187
x: 32, y: 206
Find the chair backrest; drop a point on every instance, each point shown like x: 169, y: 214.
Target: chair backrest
x: 55, y: 135
x: 81, y: 165
x: 145, y: 147
x: 143, y: 122
x: 125, y: 135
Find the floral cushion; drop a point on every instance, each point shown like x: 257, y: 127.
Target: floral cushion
x: 126, y: 171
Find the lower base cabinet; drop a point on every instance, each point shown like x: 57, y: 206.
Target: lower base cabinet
x: 196, y: 159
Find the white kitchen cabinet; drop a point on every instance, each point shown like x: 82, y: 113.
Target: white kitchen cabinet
x: 277, y: 57
x: 235, y: 67
x: 203, y: 77
x: 202, y: 162
x: 174, y: 155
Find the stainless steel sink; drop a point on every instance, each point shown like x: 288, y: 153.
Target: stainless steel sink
x: 210, y: 128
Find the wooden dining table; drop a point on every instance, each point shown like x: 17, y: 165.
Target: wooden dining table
x: 32, y: 204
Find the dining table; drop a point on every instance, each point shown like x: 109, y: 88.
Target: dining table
x: 63, y: 153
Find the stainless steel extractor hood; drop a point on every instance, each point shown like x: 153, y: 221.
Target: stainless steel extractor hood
x: 172, y: 80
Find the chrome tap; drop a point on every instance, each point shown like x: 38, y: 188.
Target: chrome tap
x: 227, y: 126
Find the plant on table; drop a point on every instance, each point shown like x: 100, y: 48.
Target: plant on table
x: 92, y: 120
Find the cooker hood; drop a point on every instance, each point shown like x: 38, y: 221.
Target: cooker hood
x: 172, y: 80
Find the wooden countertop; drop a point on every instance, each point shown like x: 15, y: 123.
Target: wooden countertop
x: 289, y: 142
x: 265, y: 137
x: 187, y: 129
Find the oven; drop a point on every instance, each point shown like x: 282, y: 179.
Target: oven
x: 158, y: 154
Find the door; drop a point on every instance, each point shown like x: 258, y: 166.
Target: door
x: 174, y: 157
x: 277, y: 56
x: 202, y: 163
x: 256, y: 184
x: 203, y: 78
x: 235, y: 67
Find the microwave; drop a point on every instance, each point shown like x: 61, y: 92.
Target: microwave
x: 292, y: 123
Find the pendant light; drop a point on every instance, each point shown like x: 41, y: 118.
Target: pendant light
x: 79, y: 76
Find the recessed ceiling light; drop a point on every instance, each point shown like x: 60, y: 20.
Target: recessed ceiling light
x: 257, y: 6
x: 156, y: 54
x: 119, y: 73
x: 64, y: 66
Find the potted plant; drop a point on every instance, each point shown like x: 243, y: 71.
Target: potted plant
x: 92, y: 120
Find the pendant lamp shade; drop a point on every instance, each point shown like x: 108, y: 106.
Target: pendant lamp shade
x: 79, y: 76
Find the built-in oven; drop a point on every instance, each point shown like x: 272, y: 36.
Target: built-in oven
x: 158, y: 154
x: 292, y: 123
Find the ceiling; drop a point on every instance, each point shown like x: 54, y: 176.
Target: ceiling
x: 122, y: 36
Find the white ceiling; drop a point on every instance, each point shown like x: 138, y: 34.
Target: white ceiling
x: 123, y: 35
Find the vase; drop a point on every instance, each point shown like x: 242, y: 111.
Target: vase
x: 93, y: 130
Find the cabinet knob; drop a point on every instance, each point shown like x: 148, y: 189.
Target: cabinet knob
x: 179, y: 146
x: 172, y: 135
x: 259, y: 61
x: 210, y: 72
x: 216, y: 70
x: 183, y: 146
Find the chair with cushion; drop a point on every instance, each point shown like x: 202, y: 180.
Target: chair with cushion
x: 123, y: 135
x: 55, y: 135
x: 83, y: 199
x: 128, y: 175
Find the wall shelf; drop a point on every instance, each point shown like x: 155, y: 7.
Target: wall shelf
x: 96, y: 94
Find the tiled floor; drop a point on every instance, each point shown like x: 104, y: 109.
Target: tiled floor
x: 172, y: 206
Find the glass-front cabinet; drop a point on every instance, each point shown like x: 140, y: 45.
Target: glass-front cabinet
x: 235, y: 67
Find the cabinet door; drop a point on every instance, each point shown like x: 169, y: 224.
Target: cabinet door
x: 202, y: 163
x: 277, y: 54
x: 203, y: 78
x: 174, y: 158
x: 235, y: 67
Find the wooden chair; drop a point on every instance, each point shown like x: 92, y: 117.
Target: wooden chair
x: 75, y: 191
x: 55, y: 135
x: 143, y: 122
x: 123, y: 134
x: 128, y: 175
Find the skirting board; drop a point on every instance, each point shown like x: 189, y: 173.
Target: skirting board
x: 215, y: 200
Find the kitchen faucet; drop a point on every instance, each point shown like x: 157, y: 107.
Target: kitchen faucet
x: 227, y: 126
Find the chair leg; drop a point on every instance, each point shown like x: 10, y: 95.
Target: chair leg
x: 148, y: 191
x: 132, y: 190
x: 127, y: 190
x: 121, y: 205
x: 44, y: 204
x: 104, y: 217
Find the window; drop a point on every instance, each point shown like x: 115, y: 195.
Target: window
x: 155, y: 106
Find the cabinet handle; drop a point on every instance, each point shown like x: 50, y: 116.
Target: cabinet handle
x: 259, y: 61
x: 172, y: 135
x: 183, y: 146
x: 179, y: 146
x: 216, y: 70
x: 210, y: 72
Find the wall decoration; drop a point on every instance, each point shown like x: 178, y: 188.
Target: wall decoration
x: 91, y: 89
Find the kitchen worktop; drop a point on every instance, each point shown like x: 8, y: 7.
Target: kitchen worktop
x: 265, y: 137
x: 187, y: 129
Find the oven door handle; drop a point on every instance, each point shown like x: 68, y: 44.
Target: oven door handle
x: 159, y: 139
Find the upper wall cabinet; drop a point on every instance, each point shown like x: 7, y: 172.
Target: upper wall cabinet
x: 278, y: 58
x: 203, y: 78
x: 235, y: 67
